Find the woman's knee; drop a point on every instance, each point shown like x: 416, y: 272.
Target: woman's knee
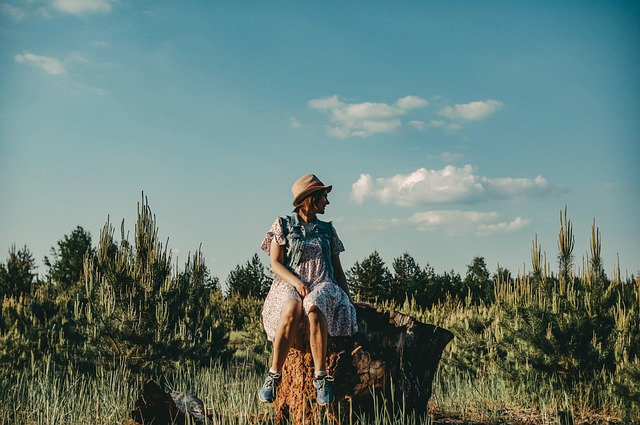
x: 291, y: 311
x: 315, y: 316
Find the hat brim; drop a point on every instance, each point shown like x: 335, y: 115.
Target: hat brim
x: 298, y: 200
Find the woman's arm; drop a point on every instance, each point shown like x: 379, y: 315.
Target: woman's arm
x: 276, y: 260
x: 338, y: 273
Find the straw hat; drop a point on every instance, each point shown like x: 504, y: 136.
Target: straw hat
x: 305, y: 186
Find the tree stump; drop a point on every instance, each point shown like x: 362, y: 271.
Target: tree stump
x: 154, y: 406
x: 392, y: 360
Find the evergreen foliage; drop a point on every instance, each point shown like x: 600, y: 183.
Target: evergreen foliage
x: 29, y: 328
x: 568, y: 329
x: 67, y: 264
x: 139, y: 311
x: 249, y: 280
x: 478, y: 281
x: 27, y: 325
x: 18, y: 276
x: 129, y: 307
x: 409, y: 279
x: 371, y: 279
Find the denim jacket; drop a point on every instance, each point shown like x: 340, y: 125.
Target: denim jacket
x: 295, y: 234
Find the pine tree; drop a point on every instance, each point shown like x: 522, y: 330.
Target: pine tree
x: 136, y: 309
x: 371, y: 279
x: 567, y: 329
x: 67, y: 263
x: 18, y: 276
x: 248, y: 280
x: 412, y: 281
x: 478, y: 281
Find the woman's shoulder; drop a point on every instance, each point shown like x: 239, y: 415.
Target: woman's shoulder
x: 325, y: 224
x: 277, y: 231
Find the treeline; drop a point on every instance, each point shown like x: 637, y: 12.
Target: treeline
x: 125, y: 302
x: 120, y: 302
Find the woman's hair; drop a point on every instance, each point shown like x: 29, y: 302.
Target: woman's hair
x: 310, y: 201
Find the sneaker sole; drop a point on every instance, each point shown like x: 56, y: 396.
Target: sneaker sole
x: 325, y: 403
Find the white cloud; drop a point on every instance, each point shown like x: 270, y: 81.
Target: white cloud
x: 509, y: 187
x: 503, y: 227
x: 16, y: 13
x: 411, y: 102
x: 48, y: 64
x: 423, y: 125
x: 474, y: 111
x: 451, y: 184
x: 366, y: 118
x: 362, y: 188
x: 369, y: 118
x: 330, y: 102
x: 82, y: 7
x: 455, y: 222
x: 294, y: 122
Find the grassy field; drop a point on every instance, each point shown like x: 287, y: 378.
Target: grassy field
x: 41, y: 396
x: 486, y: 375
x: 537, y: 348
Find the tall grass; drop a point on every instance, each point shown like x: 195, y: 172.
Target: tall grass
x: 472, y: 385
x: 539, y: 347
x: 42, y: 396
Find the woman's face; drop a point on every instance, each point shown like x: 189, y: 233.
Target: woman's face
x: 321, y: 203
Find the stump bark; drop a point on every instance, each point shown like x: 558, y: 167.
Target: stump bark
x: 154, y: 406
x: 392, y: 359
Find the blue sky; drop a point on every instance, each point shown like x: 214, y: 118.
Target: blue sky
x: 449, y: 130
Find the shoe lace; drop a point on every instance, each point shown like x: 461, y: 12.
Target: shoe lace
x: 322, y: 382
x: 272, y: 380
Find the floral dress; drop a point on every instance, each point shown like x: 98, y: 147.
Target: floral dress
x: 312, y: 270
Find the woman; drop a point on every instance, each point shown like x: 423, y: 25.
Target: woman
x: 309, y: 283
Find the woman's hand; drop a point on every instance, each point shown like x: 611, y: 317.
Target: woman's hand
x: 276, y: 255
x: 302, y: 289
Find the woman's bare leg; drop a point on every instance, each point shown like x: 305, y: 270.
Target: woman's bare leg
x: 318, y: 338
x: 290, y: 316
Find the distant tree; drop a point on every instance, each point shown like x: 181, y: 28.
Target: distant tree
x: 478, y: 281
x: 27, y: 313
x: 18, y: 275
x: 67, y: 261
x: 409, y: 280
x: 249, y: 279
x: 371, y: 279
x: 30, y: 329
x: 427, y: 293
x: 72, y: 258
x: 196, y: 275
x: 449, y: 284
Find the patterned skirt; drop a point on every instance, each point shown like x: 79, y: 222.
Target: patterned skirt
x: 328, y: 297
